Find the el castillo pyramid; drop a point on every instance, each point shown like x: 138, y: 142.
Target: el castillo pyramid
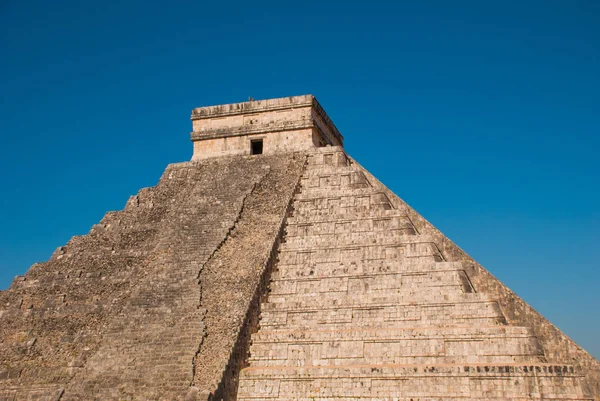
x: 272, y: 266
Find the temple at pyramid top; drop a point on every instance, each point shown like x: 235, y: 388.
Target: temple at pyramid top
x: 290, y: 276
x: 270, y: 126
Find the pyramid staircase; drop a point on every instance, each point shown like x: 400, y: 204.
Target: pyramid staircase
x: 363, y: 307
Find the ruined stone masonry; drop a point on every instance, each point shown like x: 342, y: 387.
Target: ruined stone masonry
x: 274, y: 267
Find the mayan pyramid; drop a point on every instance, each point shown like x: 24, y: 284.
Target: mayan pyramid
x: 272, y: 266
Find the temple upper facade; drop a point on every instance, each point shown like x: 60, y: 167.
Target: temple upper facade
x: 270, y: 126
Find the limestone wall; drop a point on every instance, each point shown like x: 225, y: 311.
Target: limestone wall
x: 273, y: 143
x: 556, y: 346
x: 287, y: 124
x: 256, y: 117
x: 367, y: 300
x: 365, y: 303
x: 235, y: 278
x: 149, y: 304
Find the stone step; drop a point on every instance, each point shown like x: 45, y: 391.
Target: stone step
x: 367, y: 267
x: 313, y: 199
x: 446, y: 280
x: 348, y: 216
x: 408, y: 246
x: 418, y: 382
x: 335, y: 180
x: 31, y: 393
x: 385, y: 346
x: 486, y: 313
x: 411, y: 352
x: 314, y: 203
x: 402, y: 241
x: 342, y: 300
x: 348, y: 238
x: 325, y: 155
x: 331, y: 225
x: 344, y: 194
x: 327, y: 170
x: 367, y: 333
x: 313, y: 173
x: 342, y: 211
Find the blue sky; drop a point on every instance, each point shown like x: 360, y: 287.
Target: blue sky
x: 484, y: 116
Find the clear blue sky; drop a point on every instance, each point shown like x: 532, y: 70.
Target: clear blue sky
x: 484, y: 116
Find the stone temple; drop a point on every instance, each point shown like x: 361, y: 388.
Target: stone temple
x: 272, y: 266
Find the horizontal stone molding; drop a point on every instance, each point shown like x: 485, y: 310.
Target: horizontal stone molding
x: 252, y: 107
x: 245, y: 130
x: 280, y: 125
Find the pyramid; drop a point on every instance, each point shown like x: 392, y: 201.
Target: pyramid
x: 272, y: 266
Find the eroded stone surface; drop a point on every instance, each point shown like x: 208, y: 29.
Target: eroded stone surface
x: 121, y: 312
x: 368, y: 301
x: 295, y: 123
x: 280, y: 276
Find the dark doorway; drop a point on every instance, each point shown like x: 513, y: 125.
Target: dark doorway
x: 256, y: 147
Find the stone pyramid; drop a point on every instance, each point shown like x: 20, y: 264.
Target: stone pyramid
x: 274, y: 267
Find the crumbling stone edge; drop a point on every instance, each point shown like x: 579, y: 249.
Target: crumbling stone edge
x: 194, y: 393
x: 238, y: 359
